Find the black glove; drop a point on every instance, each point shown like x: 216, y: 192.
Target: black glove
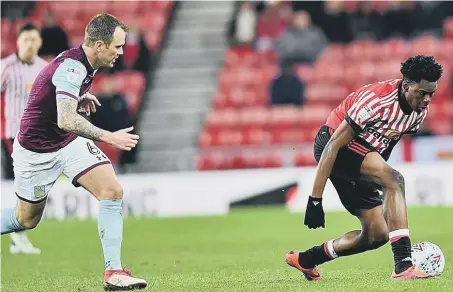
x: 314, y: 216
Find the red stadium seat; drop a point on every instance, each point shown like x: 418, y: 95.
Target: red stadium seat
x: 118, y: 8
x: 425, y: 45
x: 210, y: 161
x: 63, y: 9
x: 394, y: 48
x: 222, y: 119
x: 153, y: 21
x: 94, y: 8
x: 305, y: 158
x: 254, y: 117
x: 153, y: 39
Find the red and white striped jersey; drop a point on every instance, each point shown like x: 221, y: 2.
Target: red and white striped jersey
x: 379, y: 114
x: 17, y: 79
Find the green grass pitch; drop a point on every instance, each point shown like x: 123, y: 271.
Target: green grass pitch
x: 243, y: 251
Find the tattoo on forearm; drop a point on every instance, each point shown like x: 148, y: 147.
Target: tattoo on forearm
x: 75, y: 123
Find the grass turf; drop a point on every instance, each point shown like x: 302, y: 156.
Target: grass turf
x: 243, y: 251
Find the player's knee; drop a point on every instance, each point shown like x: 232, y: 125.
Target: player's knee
x: 111, y: 192
x: 29, y: 215
x: 394, y: 180
x: 29, y: 223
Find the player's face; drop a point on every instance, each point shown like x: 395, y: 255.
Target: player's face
x: 420, y: 94
x: 108, y: 54
x: 28, y: 44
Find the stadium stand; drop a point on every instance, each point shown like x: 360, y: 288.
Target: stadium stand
x: 244, y: 131
x: 151, y: 18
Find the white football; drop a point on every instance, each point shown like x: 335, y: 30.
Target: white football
x: 428, y: 257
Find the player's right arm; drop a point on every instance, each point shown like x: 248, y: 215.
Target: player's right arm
x: 68, y: 80
x: 341, y: 137
x: 364, y: 109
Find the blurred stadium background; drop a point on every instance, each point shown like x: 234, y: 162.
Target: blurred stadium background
x: 227, y: 97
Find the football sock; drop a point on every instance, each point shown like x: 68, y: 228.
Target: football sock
x: 317, y: 255
x: 9, y: 221
x: 110, y: 227
x: 401, y: 247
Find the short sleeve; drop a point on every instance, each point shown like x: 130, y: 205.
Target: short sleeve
x: 363, y: 110
x: 68, y: 78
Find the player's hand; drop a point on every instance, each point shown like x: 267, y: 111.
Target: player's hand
x: 88, y: 104
x: 314, y: 215
x: 123, y: 139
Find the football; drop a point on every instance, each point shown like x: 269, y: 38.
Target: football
x: 428, y: 257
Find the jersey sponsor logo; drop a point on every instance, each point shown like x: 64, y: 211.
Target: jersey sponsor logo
x: 73, y: 74
x: 384, y: 138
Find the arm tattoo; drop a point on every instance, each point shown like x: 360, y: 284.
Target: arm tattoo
x: 69, y: 120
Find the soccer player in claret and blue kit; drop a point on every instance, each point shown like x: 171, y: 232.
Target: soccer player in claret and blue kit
x: 55, y: 139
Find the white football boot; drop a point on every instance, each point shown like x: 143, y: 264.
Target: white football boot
x: 21, y: 244
x: 122, y: 280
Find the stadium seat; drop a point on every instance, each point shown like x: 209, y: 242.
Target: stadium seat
x: 123, y: 7
x: 67, y: 9
x: 152, y: 39
x: 304, y: 158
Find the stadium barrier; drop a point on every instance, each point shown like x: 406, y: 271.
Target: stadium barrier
x: 212, y: 193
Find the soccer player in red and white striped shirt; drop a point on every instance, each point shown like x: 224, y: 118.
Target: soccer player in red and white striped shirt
x: 18, y: 73
x: 352, y: 149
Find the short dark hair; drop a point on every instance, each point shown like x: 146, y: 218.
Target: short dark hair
x: 421, y: 67
x: 27, y: 27
x: 101, y: 28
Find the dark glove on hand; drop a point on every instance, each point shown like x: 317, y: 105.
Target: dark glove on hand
x: 314, y: 215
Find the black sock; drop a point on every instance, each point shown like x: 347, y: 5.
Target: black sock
x: 402, y: 254
x: 314, y: 256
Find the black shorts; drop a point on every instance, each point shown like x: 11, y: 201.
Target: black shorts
x: 345, y: 177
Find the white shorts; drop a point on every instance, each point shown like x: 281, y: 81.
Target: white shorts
x: 36, y: 173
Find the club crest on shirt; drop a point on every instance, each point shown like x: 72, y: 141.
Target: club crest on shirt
x: 39, y: 191
x: 392, y: 134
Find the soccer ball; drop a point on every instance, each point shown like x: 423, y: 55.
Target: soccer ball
x: 428, y: 257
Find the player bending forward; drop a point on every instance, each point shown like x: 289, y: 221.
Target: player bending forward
x: 352, y: 150
x: 54, y: 139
